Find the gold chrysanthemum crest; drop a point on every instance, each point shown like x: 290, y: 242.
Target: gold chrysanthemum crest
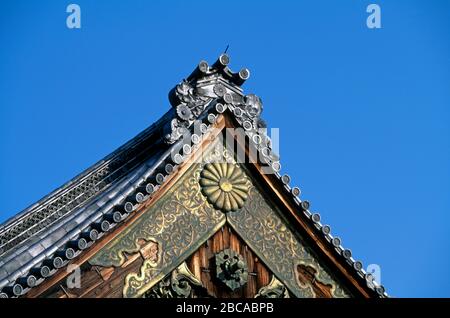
x: 224, y: 185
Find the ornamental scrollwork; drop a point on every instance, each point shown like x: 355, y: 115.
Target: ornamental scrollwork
x: 188, y: 106
x: 267, y: 233
x: 180, y: 221
x: 181, y: 283
x: 275, y: 289
x: 318, y: 276
x: 183, y: 218
x: 187, y: 96
x: 248, y: 113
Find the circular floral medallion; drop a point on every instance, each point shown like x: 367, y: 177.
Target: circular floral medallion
x: 231, y: 269
x: 224, y: 185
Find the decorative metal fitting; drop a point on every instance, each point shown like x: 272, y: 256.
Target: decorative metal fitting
x: 184, y: 112
x: 224, y: 185
x: 219, y: 90
x: 231, y: 269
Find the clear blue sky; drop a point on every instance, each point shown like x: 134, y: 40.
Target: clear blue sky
x: 364, y: 115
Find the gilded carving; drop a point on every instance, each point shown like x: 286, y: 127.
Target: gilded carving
x: 231, y: 269
x: 180, y: 221
x: 181, y: 283
x: 224, y: 185
x: 262, y: 227
x: 275, y: 289
x: 150, y: 251
x: 187, y: 214
x: 318, y: 276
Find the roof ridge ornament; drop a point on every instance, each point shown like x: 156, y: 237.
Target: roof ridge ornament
x: 206, y: 83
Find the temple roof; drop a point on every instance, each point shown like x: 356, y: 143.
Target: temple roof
x: 43, y: 238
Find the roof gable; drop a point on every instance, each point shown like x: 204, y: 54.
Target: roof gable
x: 210, y: 97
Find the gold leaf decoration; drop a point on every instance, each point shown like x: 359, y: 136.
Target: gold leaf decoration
x: 224, y: 185
x: 264, y: 229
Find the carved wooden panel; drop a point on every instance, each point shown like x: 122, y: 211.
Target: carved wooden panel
x: 183, y: 226
x: 264, y: 229
x: 177, y: 224
x: 96, y: 281
x: 307, y: 276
